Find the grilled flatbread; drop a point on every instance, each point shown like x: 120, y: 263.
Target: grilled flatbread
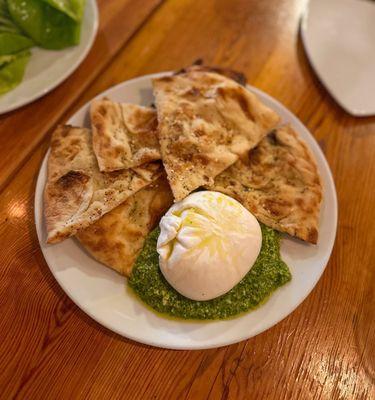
x: 117, y: 238
x: 206, y: 121
x: 124, y: 135
x: 77, y: 193
x: 279, y: 183
x: 237, y: 76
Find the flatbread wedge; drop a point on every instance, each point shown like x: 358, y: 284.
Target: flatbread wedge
x: 77, y: 193
x: 205, y: 122
x: 279, y: 183
x: 124, y: 135
x: 117, y: 238
x: 198, y: 65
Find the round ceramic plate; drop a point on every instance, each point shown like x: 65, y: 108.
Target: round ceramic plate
x: 103, y: 294
x: 48, y: 68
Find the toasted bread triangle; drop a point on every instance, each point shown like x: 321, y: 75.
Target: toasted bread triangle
x: 206, y: 122
x: 77, y: 193
x: 279, y: 183
x: 124, y: 135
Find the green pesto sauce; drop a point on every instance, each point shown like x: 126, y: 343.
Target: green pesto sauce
x: 268, y: 273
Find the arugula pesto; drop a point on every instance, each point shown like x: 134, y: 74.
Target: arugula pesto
x: 268, y: 273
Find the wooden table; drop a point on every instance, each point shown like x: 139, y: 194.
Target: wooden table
x: 49, y: 349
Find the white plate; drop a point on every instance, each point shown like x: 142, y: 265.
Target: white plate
x: 48, y: 68
x: 339, y: 38
x: 102, y: 293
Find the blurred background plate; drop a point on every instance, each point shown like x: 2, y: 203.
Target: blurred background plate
x: 339, y: 38
x: 48, y: 68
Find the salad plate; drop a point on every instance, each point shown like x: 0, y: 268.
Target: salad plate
x: 48, y: 68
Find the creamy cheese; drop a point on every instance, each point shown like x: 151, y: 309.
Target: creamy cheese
x: 208, y: 242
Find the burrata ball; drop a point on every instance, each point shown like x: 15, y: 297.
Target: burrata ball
x: 208, y: 242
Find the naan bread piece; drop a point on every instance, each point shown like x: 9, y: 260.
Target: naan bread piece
x: 77, y: 193
x: 279, y: 183
x: 198, y: 65
x: 117, y: 238
x: 206, y: 121
x: 124, y: 135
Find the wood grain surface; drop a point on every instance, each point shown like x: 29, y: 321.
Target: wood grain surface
x: 324, y: 350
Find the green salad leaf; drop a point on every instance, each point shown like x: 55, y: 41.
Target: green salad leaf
x: 72, y: 8
x: 12, y: 69
x: 6, y: 23
x: 46, y: 25
x: 13, y: 43
x: 52, y: 24
x: 12, y: 40
x: 6, y: 59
